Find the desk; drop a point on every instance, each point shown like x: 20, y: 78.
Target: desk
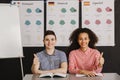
x: 107, y: 76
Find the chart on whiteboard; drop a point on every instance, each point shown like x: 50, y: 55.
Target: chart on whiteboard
x: 62, y: 18
x: 98, y: 15
x: 32, y: 22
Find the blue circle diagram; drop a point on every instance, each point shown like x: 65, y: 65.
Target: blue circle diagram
x: 29, y: 10
x: 27, y: 22
x: 38, y: 22
x: 38, y: 10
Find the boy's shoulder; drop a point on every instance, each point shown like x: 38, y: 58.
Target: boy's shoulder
x: 59, y: 51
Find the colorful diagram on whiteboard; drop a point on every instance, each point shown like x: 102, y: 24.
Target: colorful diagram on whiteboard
x: 98, y: 15
x: 32, y: 22
x: 62, y: 18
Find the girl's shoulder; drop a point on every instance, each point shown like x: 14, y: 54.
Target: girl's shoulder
x: 95, y: 51
x: 74, y: 51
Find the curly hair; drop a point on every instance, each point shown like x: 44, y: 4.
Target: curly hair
x: 74, y: 38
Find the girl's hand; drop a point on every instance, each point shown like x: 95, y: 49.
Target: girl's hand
x: 101, y: 60
x: 88, y: 73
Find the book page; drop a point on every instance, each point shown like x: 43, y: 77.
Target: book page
x: 60, y: 75
x: 99, y: 74
x: 83, y: 75
x: 80, y: 75
x: 46, y: 75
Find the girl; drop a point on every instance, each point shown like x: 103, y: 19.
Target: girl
x: 84, y: 58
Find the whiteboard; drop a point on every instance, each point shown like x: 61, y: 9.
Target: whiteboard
x: 10, y: 36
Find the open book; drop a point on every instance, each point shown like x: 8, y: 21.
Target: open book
x: 52, y: 75
x: 83, y: 75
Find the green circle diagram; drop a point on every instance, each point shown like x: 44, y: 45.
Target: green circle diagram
x: 38, y: 10
x: 27, y: 22
x: 63, y: 10
x: 62, y: 22
x: 73, y: 22
x: 51, y: 22
x: 38, y: 22
x: 29, y: 10
x: 72, y: 9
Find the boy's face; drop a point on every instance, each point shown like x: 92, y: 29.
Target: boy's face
x: 49, y: 41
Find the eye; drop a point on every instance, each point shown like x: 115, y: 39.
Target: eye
x: 80, y: 39
x: 52, y: 39
x: 86, y: 38
x: 46, y: 39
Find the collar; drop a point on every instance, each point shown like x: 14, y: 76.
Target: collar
x: 86, y: 52
x: 54, y: 53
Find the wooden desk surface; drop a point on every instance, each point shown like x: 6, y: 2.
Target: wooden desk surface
x: 107, y: 76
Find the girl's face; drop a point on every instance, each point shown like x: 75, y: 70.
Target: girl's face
x: 49, y: 41
x: 83, y: 40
